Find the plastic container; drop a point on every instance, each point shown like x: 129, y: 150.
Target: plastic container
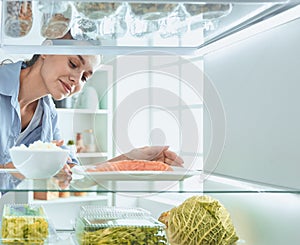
x: 56, y: 19
x: 24, y: 224
x: 117, y: 212
x: 18, y: 18
x: 112, y: 225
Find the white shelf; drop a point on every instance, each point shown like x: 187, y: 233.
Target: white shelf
x: 71, y: 199
x: 91, y: 154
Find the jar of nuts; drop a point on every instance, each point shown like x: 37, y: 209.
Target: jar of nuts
x: 18, y: 18
x: 95, y: 10
x: 56, y: 18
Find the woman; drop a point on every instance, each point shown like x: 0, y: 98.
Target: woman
x: 28, y: 113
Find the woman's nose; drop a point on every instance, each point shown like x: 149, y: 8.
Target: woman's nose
x: 75, y: 77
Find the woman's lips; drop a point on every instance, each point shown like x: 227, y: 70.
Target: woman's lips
x: 67, y: 87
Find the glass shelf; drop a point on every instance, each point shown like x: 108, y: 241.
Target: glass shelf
x: 83, y: 111
x: 204, y: 184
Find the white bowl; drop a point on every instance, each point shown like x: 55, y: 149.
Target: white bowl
x: 38, y: 163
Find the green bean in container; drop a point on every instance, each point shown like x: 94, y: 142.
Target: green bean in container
x: 124, y: 235
x: 123, y: 226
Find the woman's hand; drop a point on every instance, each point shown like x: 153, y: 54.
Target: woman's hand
x: 58, y: 142
x: 10, y: 165
x: 64, y: 176
x: 156, y: 153
x: 67, y: 167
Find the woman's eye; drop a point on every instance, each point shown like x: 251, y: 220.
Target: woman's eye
x: 84, y: 79
x: 73, y: 65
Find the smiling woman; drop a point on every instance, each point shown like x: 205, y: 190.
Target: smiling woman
x: 26, y: 92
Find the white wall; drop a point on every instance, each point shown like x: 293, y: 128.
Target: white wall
x: 158, y: 101
x: 258, y: 83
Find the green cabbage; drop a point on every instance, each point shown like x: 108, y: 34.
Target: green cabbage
x: 199, y: 220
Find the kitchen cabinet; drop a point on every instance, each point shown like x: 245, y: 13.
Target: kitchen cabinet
x: 240, y: 159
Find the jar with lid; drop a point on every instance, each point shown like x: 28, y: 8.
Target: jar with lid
x: 95, y: 10
x: 89, y: 141
x: 18, y: 18
x: 114, y: 26
x: 176, y: 23
x: 84, y: 28
x: 56, y: 18
x: 146, y: 17
x: 207, y: 15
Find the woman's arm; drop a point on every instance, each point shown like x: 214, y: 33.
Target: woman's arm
x: 152, y: 153
x: 10, y: 165
x: 7, y: 165
x: 119, y: 158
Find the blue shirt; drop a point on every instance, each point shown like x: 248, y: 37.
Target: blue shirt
x: 10, y: 117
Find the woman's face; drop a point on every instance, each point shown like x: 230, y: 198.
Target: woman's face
x: 64, y: 75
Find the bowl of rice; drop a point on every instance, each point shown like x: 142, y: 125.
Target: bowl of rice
x: 40, y: 160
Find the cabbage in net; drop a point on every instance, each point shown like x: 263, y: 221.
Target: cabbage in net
x: 199, y: 220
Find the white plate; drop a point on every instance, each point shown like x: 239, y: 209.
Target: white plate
x: 175, y: 175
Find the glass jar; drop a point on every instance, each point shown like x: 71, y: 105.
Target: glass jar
x: 143, y: 27
x: 151, y: 10
x: 96, y: 11
x: 114, y: 26
x: 209, y: 10
x: 84, y: 29
x: 146, y: 17
x: 176, y: 23
x: 18, y: 18
x: 207, y: 15
x: 89, y: 141
x: 56, y: 18
x: 103, y: 20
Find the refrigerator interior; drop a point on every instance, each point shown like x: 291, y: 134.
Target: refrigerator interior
x: 255, y: 82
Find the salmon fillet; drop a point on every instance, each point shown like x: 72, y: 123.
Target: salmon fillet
x: 130, y: 165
